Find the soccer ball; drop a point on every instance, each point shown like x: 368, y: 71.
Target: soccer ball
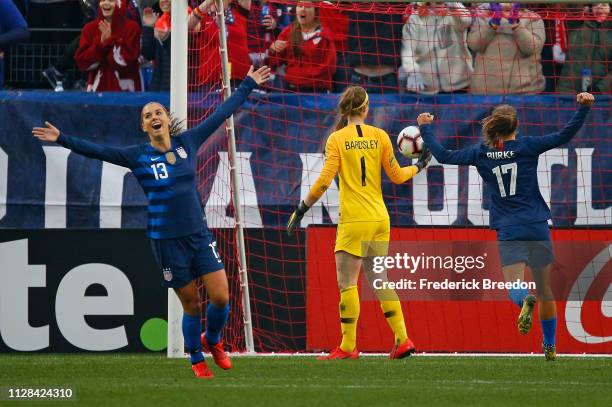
x: 409, y: 142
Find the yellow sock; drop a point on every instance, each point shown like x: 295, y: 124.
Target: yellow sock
x: 392, y: 308
x: 349, y: 314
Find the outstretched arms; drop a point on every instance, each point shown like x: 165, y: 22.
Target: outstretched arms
x: 538, y: 145
x: 202, y: 131
x: 112, y: 155
x: 465, y: 156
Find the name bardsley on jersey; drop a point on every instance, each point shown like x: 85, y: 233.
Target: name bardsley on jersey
x: 361, y: 144
x: 500, y: 155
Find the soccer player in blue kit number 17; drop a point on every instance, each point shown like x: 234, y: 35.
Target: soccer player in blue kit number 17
x: 508, y: 166
x: 183, y: 246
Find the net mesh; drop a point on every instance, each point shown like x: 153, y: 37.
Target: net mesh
x: 454, y: 61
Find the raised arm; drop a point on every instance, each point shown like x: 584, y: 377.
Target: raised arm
x: 538, y: 145
x: 197, y: 135
x: 86, y: 148
x: 466, y: 156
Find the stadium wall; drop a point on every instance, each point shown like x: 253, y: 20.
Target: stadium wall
x: 281, y: 151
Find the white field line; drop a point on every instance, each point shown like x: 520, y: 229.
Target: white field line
x: 426, y: 354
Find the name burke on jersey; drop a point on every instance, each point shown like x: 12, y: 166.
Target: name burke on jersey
x: 361, y: 144
x: 500, y: 155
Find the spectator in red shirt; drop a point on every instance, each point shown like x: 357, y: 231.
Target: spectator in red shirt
x: 204, y: 20
x: 109, y: 50
x: 306, y: 50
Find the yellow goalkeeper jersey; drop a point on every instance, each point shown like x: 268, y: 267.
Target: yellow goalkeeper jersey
x: 357, y: 153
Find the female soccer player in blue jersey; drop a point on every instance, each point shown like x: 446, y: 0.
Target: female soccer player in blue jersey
x: 519, y: 214
x: 182, y: 244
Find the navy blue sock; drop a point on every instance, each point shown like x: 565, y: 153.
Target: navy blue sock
x: 216, y: 317
x: 517, y: 295
x: 549, y: 330
x: 192, y: 328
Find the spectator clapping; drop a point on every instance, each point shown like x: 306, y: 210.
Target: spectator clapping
x: 109, y: 50
x: 435, y: 56
x: 507, y: 41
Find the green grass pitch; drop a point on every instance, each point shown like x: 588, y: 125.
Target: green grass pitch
x: 153, y: 380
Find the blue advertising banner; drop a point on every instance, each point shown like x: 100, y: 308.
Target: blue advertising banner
x: 280, y: 140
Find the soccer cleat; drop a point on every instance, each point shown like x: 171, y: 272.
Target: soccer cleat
x: 525, y: 318
x: 338, y: 353
x: 401, y: 351
x: 202, y: 371
x: 550, y: 352
x: 218, y: 353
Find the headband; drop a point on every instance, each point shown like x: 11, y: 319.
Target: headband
x: 365, y: 101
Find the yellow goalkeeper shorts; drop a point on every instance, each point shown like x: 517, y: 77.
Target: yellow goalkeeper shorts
x: 363, y: 239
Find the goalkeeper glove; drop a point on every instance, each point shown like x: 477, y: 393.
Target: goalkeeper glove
x: 424, y: 159
x: 296, y: 217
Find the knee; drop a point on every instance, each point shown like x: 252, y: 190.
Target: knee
x: 544, y: 292
x: 220, y: 299
x: 218, y: 294
x: 192, y: 306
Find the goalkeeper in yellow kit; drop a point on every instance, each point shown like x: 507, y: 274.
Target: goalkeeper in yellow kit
x: 357, y: 151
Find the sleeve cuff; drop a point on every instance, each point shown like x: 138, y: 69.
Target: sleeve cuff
x: 61, y: 140
x: 249, y: 83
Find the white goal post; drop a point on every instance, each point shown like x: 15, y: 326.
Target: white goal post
x: 178, y: 105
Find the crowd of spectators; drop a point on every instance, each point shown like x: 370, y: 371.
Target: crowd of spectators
x: 489, y: 48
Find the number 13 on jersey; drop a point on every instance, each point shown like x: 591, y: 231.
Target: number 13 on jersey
x: 503, y: 169
x: 160, y: 171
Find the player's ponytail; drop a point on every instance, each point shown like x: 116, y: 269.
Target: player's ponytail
x: 501, y: 124
x: 353, y: 101
x: 175, y: 126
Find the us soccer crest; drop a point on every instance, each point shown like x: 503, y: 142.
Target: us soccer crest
x: 170, y: 157
x: 167, y: 273
x: 181, y: 152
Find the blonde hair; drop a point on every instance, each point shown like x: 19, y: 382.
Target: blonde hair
x: 502, y: 123
x: 353, y: 101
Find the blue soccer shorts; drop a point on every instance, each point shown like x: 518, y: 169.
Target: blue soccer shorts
x: 187, y: 258
x: 529, y: 243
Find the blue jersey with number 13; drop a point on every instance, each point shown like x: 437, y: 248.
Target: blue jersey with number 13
x: 168, y: 178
